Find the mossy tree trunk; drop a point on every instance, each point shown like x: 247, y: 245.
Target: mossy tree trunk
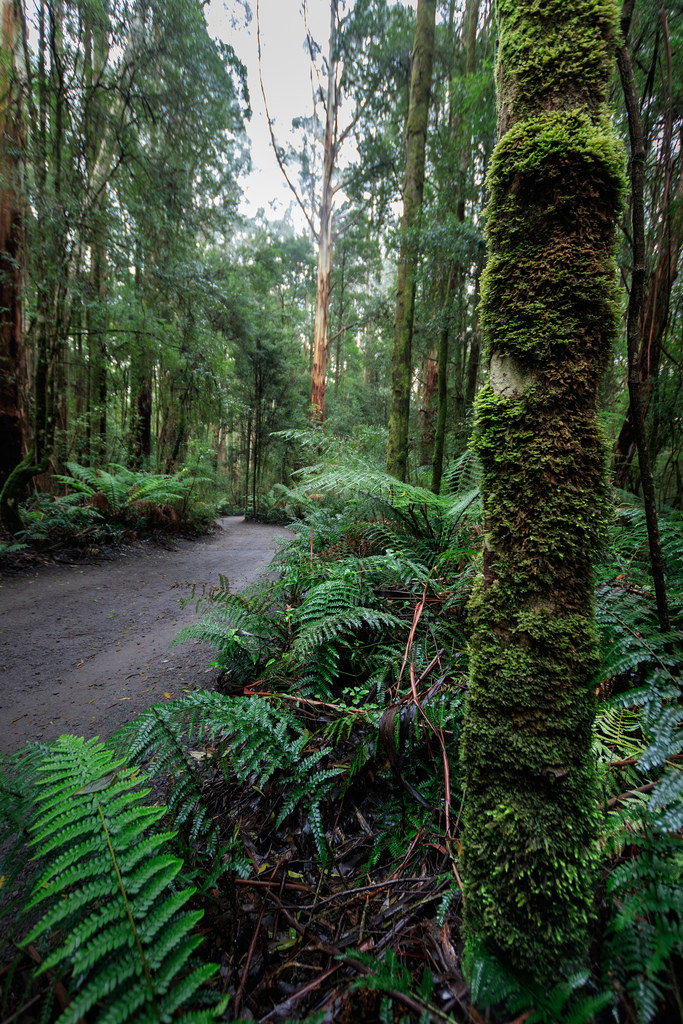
x: 12, y: 252
x: 401, y: 359
x: 456, y: 271
x: 549, y: 313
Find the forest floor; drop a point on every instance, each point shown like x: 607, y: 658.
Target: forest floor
x: 85, y: 647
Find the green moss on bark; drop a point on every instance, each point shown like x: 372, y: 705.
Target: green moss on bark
x: 549, y: 312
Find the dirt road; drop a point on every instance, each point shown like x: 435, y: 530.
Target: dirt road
x: 84, y: 648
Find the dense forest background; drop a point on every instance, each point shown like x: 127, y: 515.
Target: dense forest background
x: 152, y: 327
x: 390, y: 719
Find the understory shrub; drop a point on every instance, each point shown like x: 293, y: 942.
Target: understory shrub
x: 344, y: 677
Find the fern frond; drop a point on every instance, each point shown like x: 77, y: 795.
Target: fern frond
x: 645, y: 935
x: 343, y: 627
x: 107, y: 889
x: 17, y: 805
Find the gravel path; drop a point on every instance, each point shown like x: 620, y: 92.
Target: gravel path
x: 84, y: 648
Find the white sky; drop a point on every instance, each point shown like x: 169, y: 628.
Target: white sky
x: 286, y: 78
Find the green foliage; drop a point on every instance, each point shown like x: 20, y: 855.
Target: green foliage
x: 368, y: 553
x: 100, y: 504
x: 256, y: 740
x: 46, y: 518
x: 17, y: 808
x: 334, y: 628
x: 644, y: 940
x: 110, y: 911
x: 572, y: 1001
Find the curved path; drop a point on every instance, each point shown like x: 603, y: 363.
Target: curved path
x: 84, y: 648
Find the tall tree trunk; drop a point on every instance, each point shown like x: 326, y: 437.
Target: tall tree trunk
x: 341, y: 333
x: 141, y: 385
x: 652, y: 330
x: 324, y: 274
x: 636, y: 383
x: 428, y: 411
x: 12, y: 254
x: 549, y: 313
x: 456, y: 273
x: 401, y: 360
x: 441, y: 410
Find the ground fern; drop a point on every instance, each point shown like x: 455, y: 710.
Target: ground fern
x: 111, y: 914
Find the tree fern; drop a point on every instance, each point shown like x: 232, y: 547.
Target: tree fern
x: 109, y: 905
x: 124, y: 488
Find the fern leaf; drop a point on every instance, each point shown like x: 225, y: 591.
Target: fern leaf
x: 104, y: 927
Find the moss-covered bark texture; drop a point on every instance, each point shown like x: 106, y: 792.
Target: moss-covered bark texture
x: 549, y: 311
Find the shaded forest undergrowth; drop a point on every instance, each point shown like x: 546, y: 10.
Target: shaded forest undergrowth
x: 288, y: 849
x: 102, y: 509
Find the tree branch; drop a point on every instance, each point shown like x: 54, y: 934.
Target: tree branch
x: 279, y: 159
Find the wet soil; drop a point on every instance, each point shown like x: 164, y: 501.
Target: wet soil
x: 84, y: 648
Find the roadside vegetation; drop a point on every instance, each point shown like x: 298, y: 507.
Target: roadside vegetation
x: 299, y: 829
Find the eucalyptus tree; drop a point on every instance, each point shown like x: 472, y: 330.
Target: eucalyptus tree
x: 550, y: 311
x: 12, y: 258
x: 350, y: 84
x: 329, y: 93
x: 416, y: 136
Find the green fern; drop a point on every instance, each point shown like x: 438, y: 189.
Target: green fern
x: 573, y: 1000
x: 240, y: 627
x: 309, y: 785
x: 157, y: 738
x: 17, y: 807
x: 645, y: 936
x: 125, y: 488
x: 109, y: 903
x: 249, y: 736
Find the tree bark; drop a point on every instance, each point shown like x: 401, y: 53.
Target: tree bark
x: 428, y: 411
x: 651, y: 331
x: 455, y: 275
x: 636, y: 384
x: 324, y: 276
x: 418, y: 116
x: 549, y: 313
x: 12, y: 253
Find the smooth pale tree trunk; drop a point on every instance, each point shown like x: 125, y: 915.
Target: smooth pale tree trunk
x: 324, y: 276
x: 550, y: 311
x: 401, y: 360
